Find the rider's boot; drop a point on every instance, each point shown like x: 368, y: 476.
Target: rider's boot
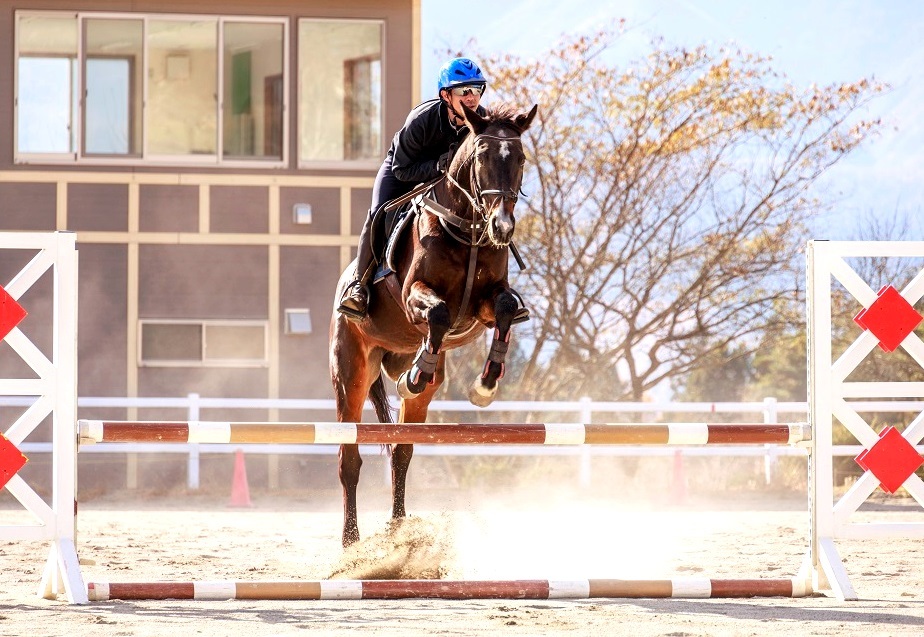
x: 354, y: 303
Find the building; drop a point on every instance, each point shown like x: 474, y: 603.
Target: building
x: 216, y: 161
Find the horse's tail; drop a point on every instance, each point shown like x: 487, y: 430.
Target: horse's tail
x: 379, y: 398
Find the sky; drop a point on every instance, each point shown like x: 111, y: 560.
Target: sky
x: 810, y: 41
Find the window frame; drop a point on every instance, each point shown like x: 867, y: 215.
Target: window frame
x: 204, y: 360
x: 76, y: 75
x: 342, y: 164
x: 144, y: 157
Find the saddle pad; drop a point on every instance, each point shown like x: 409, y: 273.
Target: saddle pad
x: 402, y: 223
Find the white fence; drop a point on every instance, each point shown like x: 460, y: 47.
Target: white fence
x: 584, y: 410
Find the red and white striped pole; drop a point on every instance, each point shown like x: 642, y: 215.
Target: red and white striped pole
x: 91, y: 431
x: 453, y: 589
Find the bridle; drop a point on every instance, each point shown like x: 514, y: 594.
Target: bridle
x: 476, y: 194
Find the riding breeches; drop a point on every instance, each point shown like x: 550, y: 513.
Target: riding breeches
x: 386, y: 188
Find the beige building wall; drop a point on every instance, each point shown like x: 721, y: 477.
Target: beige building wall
x: 210, y: 243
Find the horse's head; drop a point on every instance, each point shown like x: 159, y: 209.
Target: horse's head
x: 488, y: 168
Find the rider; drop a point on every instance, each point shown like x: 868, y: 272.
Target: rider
x: 419, y: 152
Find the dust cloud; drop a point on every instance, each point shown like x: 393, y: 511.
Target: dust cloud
x: 412, y: 548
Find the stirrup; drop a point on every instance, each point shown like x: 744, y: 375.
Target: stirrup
x: 521, y: 315
x: 349, y: 311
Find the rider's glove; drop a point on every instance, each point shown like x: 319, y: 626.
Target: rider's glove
x: 442, y: 164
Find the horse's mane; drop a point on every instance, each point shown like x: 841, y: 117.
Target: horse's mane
x: 502, y: 114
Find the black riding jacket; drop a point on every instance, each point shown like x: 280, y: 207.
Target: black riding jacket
x: 425, y: 136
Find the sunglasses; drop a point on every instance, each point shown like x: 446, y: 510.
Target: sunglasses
x: 462, y: 91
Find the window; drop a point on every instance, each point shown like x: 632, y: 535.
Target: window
x: 112, y: 82
x: 340, y: 90
x: 362, y: 82
x: 207, y: 90
x: 253, y: 90
x: 46, y: 74
x: 182, y: 117
x: 168, y: 343
x: 198, y: 89
x: 298, y: 321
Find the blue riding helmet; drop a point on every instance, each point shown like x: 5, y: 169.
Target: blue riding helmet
x: 460, y: 72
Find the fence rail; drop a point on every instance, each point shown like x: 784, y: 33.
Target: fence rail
x: 583, y: 410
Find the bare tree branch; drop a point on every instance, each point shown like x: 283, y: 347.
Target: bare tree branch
x: 668, y: 207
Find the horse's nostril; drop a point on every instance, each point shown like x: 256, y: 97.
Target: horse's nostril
x: 502, y: 230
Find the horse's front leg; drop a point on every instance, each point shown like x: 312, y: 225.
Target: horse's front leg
x: 424, y: 306
x: 484, y: 389
x: 412, y: 410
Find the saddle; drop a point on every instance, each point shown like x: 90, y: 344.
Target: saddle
x: 396, y: 221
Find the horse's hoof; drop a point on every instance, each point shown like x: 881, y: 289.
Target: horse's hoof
x: 403, y: 389
x: 350, y: 537
x: 481, y: 396
x: 394, y: 524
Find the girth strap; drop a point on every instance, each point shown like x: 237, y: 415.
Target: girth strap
x: 469, y: 283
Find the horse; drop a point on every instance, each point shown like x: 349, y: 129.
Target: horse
x: 448, y: 285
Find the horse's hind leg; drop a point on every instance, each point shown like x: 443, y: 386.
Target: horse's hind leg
x: 350, y: 392
x: 350, y: 464
x: 484, y: 389
x: 353, y: 368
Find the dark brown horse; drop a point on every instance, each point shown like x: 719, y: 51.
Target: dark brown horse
x: 449, y: 285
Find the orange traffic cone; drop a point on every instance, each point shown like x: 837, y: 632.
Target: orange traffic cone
x: 240, y: 492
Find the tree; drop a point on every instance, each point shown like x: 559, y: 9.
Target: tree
x: 779, y: 366
x: 666, y: 204
x: 724, y: 378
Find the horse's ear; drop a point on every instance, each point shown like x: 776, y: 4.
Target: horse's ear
x: 523, y: 120
x: 475, y: 121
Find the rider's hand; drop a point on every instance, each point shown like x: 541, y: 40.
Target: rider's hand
x: 442, y: 164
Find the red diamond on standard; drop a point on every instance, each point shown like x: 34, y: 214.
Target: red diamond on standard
x: 892, y: 459
x: 890, y: 318
x: 11, y: 460
x: 11, y: 313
